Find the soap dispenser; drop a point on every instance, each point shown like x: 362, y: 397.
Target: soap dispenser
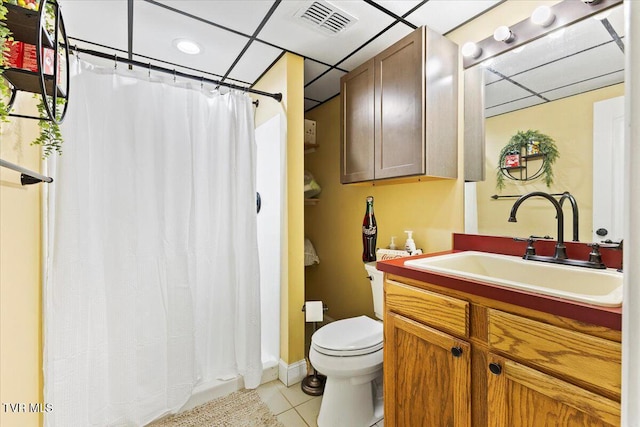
x: 410, y: 245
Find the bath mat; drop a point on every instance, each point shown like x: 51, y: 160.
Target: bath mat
x: 242, y: 408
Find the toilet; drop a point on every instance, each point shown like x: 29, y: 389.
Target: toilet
x: 349, y: 353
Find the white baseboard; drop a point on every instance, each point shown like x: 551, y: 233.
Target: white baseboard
x: 293, y: 373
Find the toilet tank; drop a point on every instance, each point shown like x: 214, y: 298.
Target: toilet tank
x: 375, y: 277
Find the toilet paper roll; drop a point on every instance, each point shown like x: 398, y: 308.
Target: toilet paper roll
x: 313, y: 311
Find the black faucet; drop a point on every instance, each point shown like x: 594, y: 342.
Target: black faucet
x: 574, y: 207
x: 560, y: 255
x: 561, y: 250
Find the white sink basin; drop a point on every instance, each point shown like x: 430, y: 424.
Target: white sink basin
x: 591, y: 286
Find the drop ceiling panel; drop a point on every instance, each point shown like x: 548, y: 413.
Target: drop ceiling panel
x: 616, y: 19
x: 240, y: 15
x: 503, y: 91
x: 445, y: 15
x: 309, y: 104
x: 564, y: 42
x: 156, y: 28
x: 313, y: 69
x: 385, y: 40
x: 103, y: 22
x: 325, y: 87
x: 255, y: 60
x: 512, y: 106
x: 284, y: 30
x: 586, y: 86
x: 399, y: 7
x: 583, y: 66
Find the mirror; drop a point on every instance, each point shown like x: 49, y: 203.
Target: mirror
x: 549, y: 85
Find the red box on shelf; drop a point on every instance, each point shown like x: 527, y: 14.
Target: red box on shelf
x: 511, y: 160
x: 13, y: 56
x: 30, y: 61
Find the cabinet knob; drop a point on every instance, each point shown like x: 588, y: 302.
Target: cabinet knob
x: 456, y: 351
x: 495, y: 368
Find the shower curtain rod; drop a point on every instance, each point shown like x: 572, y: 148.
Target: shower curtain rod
x: 27, y: 177
x: 174, y: 72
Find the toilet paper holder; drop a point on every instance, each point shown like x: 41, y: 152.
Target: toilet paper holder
x: 313, y: 384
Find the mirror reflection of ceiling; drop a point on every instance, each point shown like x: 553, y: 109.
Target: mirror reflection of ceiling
x: 585, y: 56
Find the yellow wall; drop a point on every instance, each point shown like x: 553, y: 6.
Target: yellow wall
x: 287, y: 77
x: 569, y: 122
x: 433, y: 209
x: 20, y: 276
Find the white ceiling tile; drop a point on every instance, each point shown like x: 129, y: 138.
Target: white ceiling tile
x: 558, y: 44
x: 240, y: 15
x: 388, y: 38
x: 586, y: 86
x: 309, y: 104
x: 503, y: 91
x: 616, y: 19
x: 284, y: 30
x: 255, y: 60
x: 595, y: 62
x: 399, y: 7
x: 512, y: 106
x: 325, y: 87
x: 313, y: 69
x: 445, y: 15
x: 97, y: 21
x: 156, y: 28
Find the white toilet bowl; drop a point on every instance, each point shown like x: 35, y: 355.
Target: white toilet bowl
x: 349, y: 353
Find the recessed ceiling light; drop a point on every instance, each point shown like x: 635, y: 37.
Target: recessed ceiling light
x: 187, y: 46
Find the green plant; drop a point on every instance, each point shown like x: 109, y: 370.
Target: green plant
x: 519, y: 142
x: 5, y: 37
x: 50, y: 137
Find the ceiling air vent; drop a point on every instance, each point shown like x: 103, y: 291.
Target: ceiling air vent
x: 325, y: 17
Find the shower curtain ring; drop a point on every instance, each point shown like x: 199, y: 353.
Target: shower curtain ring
x: 77, y: 52
x: 174, y: 75
x: 201, y: 82
x: 115, y: 61
x: 149, y: 69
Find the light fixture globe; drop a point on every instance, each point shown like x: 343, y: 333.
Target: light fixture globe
x: 471, y: 50
x: 543, y: 16
x: 503, y: 34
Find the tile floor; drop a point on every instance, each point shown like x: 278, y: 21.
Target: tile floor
x: 291, y: 405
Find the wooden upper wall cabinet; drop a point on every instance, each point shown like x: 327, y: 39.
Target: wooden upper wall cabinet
x: 399, y: 111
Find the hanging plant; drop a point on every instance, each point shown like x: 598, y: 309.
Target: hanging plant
x: 536, y: 143
x: 5, y: 37
x: 50, y: 136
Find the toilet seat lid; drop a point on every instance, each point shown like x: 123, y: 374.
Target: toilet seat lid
x: 349, y: 337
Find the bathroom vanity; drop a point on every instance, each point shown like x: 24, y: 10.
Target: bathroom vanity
x: 462, y: 352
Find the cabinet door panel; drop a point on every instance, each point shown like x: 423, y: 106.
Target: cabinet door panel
x: 357, y: 116
x: 520, y: 396
x: 425, y: 383
x: 399, y: 103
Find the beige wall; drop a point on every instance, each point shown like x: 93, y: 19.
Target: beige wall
x: 20, y: 276
x: 569, y: 122
x: 287, y: 77
x: 433, y: 209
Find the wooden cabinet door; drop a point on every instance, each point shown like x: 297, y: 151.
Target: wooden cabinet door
x: 357, y: 117
x: 399, y: 102
x: 519, y: 396
x: 426, y: 375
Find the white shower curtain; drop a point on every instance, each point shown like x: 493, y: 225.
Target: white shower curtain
x: 152, y: 278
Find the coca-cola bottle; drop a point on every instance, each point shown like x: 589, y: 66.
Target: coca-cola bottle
x: 369, y: 233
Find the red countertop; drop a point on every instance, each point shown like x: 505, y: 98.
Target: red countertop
x: 610, y: 317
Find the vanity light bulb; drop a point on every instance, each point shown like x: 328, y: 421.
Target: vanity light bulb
x: 503, y: 34
x: 543, y: 16
x: 591, y: 2
x: 471, y: 50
